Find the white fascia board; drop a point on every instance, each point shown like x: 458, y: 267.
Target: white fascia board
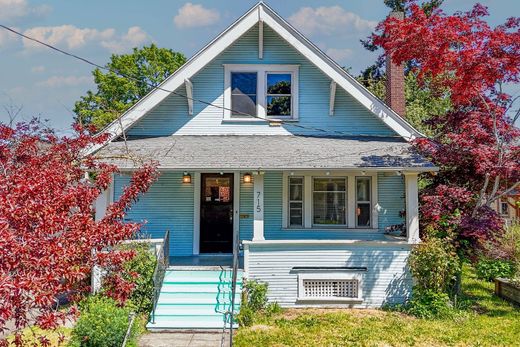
x: 338, y: 74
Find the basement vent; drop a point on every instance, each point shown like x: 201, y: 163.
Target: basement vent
x: 330, y: 288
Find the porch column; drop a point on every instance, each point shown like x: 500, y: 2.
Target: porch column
x: 258, y: 205
x: 103, y: 201
x: 412, y: 207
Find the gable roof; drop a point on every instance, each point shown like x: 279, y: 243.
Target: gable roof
x: 262, y: 13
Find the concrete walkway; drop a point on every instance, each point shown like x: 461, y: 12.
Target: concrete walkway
x: 183, y: 339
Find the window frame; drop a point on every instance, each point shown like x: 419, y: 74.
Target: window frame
x: 351, y: 200
x: 289, y: 201
x: 231, y: 92
x: 314, y: 225
x: 369, y: 202
x: 501, y: 203
x: 261, y: 97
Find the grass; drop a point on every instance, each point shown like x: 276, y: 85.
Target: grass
x: 483, y: 320
x: 30, y: 336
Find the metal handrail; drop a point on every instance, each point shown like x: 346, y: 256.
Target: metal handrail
x: 236, y: 249
x: 161, y: 265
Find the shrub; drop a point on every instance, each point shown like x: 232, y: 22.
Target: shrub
x: 102, y: 323
x: 429, y: 304
x: 256, y: 295
x: 434, y: 265
x: 489, y: 269
x: 142, y: 265
x: 254, y: 304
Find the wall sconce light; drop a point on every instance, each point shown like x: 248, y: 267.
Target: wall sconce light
x: 186, y: 178
x: 398, y: 173
x: 247, y: 178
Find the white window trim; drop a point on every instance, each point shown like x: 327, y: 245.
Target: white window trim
x: 261, y: 88
x: 351, y: 200
x: 330, y: 276
x: 332, y: 226
x: 370, y: 203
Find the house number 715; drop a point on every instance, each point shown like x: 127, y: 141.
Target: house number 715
x: 258, y: 206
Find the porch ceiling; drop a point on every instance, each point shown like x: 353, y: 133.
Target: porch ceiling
x: 271, y: 152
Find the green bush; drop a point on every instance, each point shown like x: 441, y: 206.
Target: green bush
x: 429, y: 304
x: 489, y: 269
x: 254, y: 304
x: 434, y: 265
x: 143, y: 264
x: 102, y: 323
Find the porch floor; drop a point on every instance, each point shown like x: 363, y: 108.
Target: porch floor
x: 206, y: 261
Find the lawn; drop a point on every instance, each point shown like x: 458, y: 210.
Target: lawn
x: 485, y: 320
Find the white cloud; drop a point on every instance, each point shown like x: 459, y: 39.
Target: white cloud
x: 339, y: 54
x: 65, y: 81
x: 329, y: 21
x: 65, y: 35
x: 14, y: 9
x: 38, y: 69
x: 191, y: 15
x: 72, y: 37
x: 135, y: 37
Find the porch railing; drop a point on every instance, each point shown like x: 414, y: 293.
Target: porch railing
x: 163, y: 255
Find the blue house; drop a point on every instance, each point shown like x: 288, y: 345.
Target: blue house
x: 263, y: 137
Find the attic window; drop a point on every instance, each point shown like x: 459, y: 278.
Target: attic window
x: 260, y: 91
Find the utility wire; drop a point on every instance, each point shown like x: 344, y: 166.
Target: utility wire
x: 114, y: 71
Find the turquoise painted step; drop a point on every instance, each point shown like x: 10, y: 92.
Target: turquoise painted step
x: 192, y: 310
x: 199, y: 276
x: 195, y: 298
x: 194, y: 287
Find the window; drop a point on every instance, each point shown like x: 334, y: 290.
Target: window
x: 325, y: 200
x: 504, y: 207
x: 278, y: 94
x: 243, y: 93
x: 363, y: 201
x: 262, y: 91
x: 296, y: 201
x: 329, y: 201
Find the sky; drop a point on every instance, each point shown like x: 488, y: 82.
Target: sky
x: 45, y: 84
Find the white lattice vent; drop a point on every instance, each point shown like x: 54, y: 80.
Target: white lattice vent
x: 330, y: 288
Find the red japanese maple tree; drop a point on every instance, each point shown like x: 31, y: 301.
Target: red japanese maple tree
x: 48, y: 234
x: 476, y: 143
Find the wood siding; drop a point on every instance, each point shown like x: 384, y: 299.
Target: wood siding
x: 171, y: 116
x: 387, y: 279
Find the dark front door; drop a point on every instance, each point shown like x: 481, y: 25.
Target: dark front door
x: 216, y: 213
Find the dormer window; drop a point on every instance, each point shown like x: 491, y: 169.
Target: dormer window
x: 259, y: 91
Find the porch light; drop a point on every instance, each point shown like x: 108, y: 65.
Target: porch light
x: 186, y: 178
x: 247, y: 178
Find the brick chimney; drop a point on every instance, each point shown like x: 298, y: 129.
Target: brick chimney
x: 395, y: 80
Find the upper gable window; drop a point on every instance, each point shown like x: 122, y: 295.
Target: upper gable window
x: 243, y: 93
x: 261, y: 91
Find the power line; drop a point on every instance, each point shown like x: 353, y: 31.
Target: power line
x: 114, y: 71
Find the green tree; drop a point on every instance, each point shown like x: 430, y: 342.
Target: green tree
x: 421, y: 103
x: 147, y: 67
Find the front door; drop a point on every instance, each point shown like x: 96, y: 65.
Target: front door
x: 216, y: 213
